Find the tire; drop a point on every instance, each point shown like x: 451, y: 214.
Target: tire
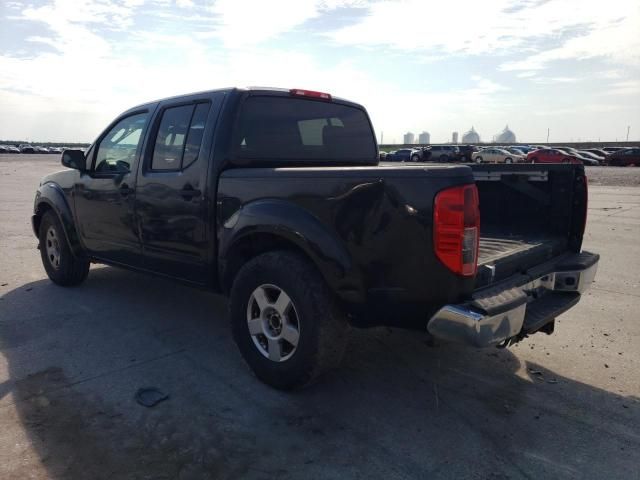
x: 534, y: 160
x: 322, y: 328
x: 62, y: 267
x: 415, y: 158
x: 508, y: 160
x: 478, y: 159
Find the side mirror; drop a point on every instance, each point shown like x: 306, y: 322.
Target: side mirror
x: 73, y: 159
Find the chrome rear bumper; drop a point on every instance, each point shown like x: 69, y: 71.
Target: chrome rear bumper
x: 500, y: 312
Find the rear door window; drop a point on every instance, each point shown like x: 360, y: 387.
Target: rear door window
x: 179, y: 137
x: 280, y: 128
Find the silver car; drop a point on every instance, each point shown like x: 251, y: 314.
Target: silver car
x: 496, y: 155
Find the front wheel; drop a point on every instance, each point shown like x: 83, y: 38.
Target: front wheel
x: 478, y: 159
x: 61, y: 265
x: 285, y: 321
x: 534, y: 160
x: 415, y: 158
x: 508, y: 160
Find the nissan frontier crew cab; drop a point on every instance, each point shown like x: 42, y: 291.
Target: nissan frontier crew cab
x: 276, y: 198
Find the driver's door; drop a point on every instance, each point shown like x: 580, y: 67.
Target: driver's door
x: 104, y: 195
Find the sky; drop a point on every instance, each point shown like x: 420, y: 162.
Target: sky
x: 68, y: 67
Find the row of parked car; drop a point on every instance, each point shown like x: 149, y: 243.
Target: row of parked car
x: 28, y: 148
x: 616, y: 156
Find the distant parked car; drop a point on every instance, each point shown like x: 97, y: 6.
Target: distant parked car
x: 613, y: 149
x: 592, y: 156
x: 25, y: 148
x: 444, y: 153
x: 516, y: 151
x: 13, y: 149
x: 402, y: 155
x: 600, y: 153
x: 40, y: 149
x: 4, y: 149
x: 551, y: 155
x: 466, y: 151
x: 525, y: 148
x: 585, y: 159
x: 421, y: 154
x: 624, y: 158
x: 496, y: 155
x: 55, y: 150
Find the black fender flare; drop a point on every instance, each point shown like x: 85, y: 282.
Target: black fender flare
x: 50, y: 196
x: 296, y: 226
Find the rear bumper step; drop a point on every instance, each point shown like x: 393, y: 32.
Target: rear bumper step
x: 521, y: 304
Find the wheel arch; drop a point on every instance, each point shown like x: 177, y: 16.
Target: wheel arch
x: 50, y: 197
x: 268, y: 225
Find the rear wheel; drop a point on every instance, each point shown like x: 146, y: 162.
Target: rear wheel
x: 478, y: 159
x: 415, y: 158
x: 508, y: 160
x: 61, y: 265
x: 286, y: 323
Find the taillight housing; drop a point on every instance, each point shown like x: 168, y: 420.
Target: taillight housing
x: 456, y: 229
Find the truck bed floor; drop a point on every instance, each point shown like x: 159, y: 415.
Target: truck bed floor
x: 495, y: 248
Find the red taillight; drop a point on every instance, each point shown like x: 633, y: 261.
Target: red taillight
x: 310, y: 93
x: 456, y: 229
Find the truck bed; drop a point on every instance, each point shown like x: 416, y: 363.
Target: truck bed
x: 528, y: 216
x: 494, y: 248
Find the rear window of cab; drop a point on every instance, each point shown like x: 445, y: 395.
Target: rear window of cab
x: 274, y: 128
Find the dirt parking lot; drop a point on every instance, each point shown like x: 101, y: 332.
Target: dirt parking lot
x: 71, y: 360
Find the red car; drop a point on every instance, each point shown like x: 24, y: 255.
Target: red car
x: 623, y: 158
x: 550, y: 155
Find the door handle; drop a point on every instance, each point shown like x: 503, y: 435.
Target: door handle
x: 188, y: 192
x: 125, y: 190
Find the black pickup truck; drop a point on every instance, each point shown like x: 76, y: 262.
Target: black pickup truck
x: 277, y: 199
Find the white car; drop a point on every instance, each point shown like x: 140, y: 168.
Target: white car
x: 496, y: 155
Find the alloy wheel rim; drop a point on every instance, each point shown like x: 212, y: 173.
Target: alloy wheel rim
x: 52, y: 247
x: 273, y: 323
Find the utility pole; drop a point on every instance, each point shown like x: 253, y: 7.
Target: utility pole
x: 628, y: 128
x: 547, y: 135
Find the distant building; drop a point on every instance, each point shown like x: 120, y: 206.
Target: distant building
x: 471, y: 136
x: 409, y: 138
x: 424, y: 138
x: 454, y: 137
x: 506, y: 136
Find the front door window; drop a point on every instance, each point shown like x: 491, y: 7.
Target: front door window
x: 118, y: 149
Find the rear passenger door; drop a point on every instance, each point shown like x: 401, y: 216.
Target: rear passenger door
x: 172, y: 198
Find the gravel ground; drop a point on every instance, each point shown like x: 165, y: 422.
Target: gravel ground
x: 614, y: 176
x: 564, y: 406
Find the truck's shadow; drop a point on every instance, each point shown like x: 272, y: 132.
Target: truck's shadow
x: 397, y: 409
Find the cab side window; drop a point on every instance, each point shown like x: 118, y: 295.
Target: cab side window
x: 119, y: 148
x: 179, y: 137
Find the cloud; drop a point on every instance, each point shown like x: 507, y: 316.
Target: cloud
x: 85, y: 61
x: 250, y: 22
x: 557, y: 30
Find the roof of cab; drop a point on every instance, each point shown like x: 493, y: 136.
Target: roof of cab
x: 253, y: 90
